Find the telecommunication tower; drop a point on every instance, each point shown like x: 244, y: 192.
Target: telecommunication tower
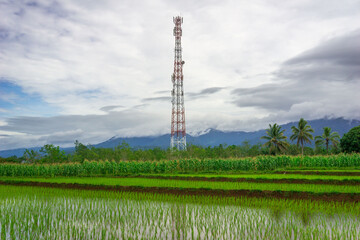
x: 178, y: 132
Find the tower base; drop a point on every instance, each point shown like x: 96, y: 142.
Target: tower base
x: 179, y: 143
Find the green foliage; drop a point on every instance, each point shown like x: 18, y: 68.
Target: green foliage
x: 275, y: 139
x: 293, y: 150
x: 260, y: 163
x: 326, y: 138
x: 123, y: 152
x: 350, y: 142
x: 31, y: 156
x: 12, y: 159
x: 53, y: 154
x: 80, y: 151
x: 302, y: 134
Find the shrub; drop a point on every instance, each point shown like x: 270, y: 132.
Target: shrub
x: 350, y: 142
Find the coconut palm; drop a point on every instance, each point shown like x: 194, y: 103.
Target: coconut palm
x: 327, y: 137
x: 275, y: 137
x: 302, y: 134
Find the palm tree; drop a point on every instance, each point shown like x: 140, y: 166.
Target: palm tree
x: 302, y: 133
x: 328, y: 137
x: 275, y: 137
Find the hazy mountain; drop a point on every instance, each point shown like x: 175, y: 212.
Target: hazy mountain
x: 213, y: 137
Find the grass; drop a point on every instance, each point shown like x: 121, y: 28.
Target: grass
x: 185, y: 184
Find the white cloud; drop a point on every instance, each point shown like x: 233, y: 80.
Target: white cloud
x: 86, y: 57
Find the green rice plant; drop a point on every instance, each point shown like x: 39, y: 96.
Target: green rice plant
x: 40, y: 213
x: 256, y: 176
x: 188, y: 184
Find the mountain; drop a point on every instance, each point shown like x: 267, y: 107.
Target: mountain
x: 20, y: 151
x: 16, y: 152
x: 213, y: 137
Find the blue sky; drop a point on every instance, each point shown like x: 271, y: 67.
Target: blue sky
x: 14, y: 101
x: 91, y: 70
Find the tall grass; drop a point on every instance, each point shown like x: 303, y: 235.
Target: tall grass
x: 91, y: 168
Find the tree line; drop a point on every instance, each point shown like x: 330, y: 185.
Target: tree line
x: 276, y: 143
x: 302, y: 134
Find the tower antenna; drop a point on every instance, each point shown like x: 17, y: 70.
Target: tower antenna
x: 178, y: 132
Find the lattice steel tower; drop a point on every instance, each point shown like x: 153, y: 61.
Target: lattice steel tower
x: 178, y: 132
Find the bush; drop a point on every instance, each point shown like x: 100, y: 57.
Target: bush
x: 350, y: 142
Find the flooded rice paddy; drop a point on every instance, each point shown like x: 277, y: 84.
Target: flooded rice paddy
x: 78, y: 216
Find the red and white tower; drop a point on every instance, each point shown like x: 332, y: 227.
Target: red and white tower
x: 178, y: 132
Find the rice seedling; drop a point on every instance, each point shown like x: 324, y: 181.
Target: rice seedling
x: 258, y: 176
x: 39, y: 213
x: 186, y: 184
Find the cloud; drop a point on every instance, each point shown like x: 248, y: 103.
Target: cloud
x: 110, y: 108
x: 108, y: 122
x: 63, y: 130
x: 72, y: 64
x: 63, y: 137
x: 275, y: 97
x: 191, y: 95
x: 162, y: 92
x: 324, y: 79
x: 204, y: 92
x: 75, y: 61
x: 335, y: 60
x: 164, y: 99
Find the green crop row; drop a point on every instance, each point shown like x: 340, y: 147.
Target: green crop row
x: 261, y: 163
x: 258, y: 176
x: 321, y: 169
x: 42, y: 193
x: 186, y: 184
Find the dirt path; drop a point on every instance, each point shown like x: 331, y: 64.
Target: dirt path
x: 340, y: 197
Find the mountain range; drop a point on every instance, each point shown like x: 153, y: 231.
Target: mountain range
x: 212, y: 137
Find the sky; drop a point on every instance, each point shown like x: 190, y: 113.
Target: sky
x: 90, y: 70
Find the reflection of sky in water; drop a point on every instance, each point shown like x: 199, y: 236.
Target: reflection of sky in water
x: 90, y: 218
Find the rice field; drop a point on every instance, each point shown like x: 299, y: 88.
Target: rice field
x: 187, y: 184
x: 43, y: 213
x: 260, y: 176
x: 183, y: 199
